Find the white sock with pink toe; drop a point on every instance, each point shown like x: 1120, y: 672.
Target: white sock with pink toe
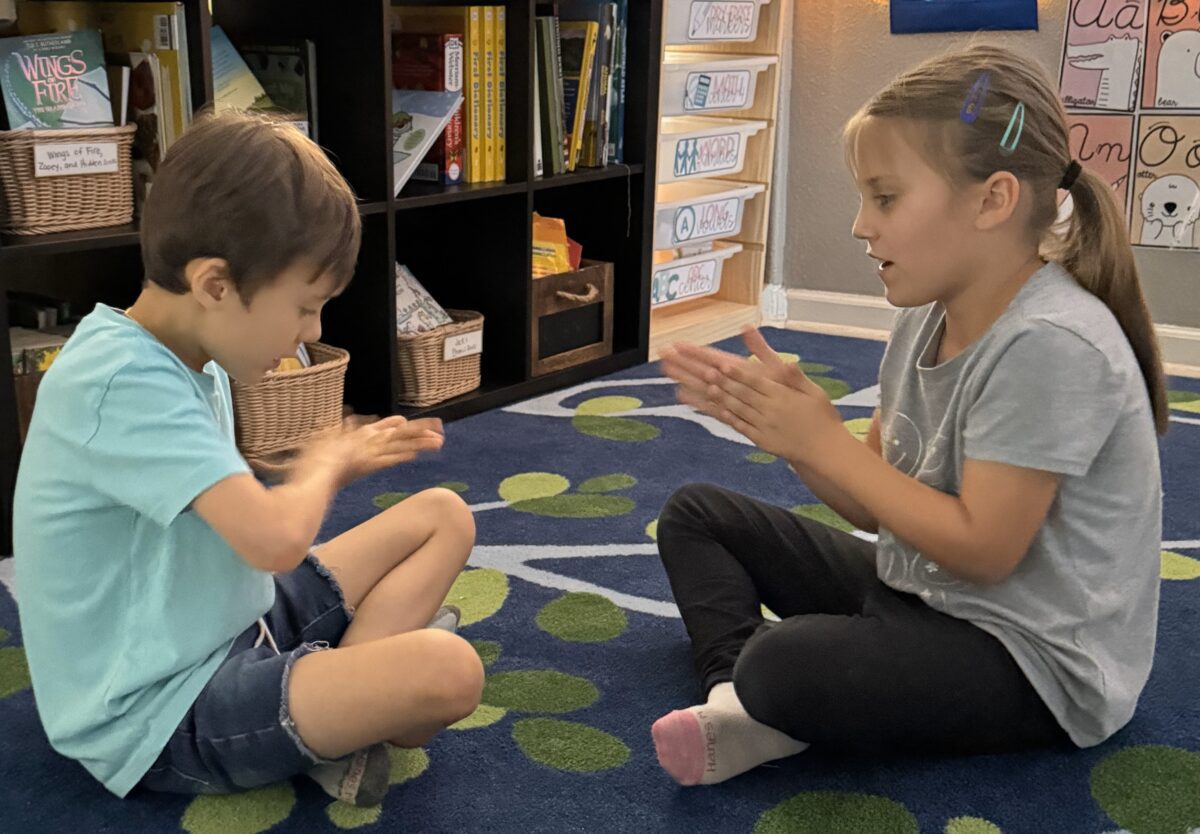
x: 717, y: 740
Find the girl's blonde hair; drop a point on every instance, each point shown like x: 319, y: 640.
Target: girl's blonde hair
x: 1094, y: 244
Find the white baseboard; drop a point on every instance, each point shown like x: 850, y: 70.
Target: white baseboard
x: 870, y: 317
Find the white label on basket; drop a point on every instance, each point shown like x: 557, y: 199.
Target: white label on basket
x: 79, y: 158
x: 464, y: 344
x: 716, y: 90
x: 707, y: 154
x: 700, y: 220
x: 685, y: 282
x: 725, y: 20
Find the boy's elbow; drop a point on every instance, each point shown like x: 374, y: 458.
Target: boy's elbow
x: 277, y: 550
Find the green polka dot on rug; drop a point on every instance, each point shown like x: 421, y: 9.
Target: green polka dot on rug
x: 249, y: 812
x: 582, y: 618
x: 1149, y: 789
x: 566, y: 745
x: 971, y: 825
x: 479, y: 593
x: 836, y: 812
x: 539, y: 690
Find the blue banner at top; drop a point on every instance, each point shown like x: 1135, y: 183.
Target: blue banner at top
x: 912, y: 16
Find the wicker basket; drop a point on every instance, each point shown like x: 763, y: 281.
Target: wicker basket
x: 276, y: 416
x: 426, y: 377
x: 31, y: 205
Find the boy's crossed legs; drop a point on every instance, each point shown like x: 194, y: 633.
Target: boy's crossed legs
x: 265, y: 716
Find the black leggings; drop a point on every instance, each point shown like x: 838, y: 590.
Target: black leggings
x: 854, y: 664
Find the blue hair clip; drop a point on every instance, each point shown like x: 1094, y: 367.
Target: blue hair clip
x: 1007, y: 144
x: 973, y: 103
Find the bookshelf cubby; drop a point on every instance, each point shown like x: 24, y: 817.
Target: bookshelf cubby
x: 469, y: 244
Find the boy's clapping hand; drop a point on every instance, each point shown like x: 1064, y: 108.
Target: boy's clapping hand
x: 360, y: 449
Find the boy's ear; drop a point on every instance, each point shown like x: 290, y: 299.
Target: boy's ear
x: 209, y: 281
x: 1001, y: 193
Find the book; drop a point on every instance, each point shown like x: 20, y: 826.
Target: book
x: 538, y: 167
x: 129, y: 28
x: 550, y: 99
x: 234, y: 86
x: 594, y: 150
x: 287, y: 71
x: 501, y: 92
x: 418, y: 119
x: 616, y: 100
x: 434, y: 62
x: 490, y: 93
x: 578, y: 45
x: 55, y: 81
x: 118, y: 90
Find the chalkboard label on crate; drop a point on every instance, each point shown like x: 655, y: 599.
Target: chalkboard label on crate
x: 61, y: 160
x: 464, y: 344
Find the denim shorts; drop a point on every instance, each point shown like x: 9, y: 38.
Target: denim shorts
x: 239, y: 732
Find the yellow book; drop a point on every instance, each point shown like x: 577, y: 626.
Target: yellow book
x: 578, y: 39
x: 467, y: 21
x: 502, y: 96
x: 490, y: 95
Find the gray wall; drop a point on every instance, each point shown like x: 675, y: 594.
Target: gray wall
x: 842, y: 52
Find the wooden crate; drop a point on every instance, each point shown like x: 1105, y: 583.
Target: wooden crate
x: 572, y: 317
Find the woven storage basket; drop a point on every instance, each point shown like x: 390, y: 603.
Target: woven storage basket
x: 32, y: 205
x: 279, y: 414
x: 426, y: 377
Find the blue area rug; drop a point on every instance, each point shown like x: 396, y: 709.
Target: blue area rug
x: 571, y: 611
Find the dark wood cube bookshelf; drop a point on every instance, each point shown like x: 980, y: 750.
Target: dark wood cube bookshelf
x: 470, y: 245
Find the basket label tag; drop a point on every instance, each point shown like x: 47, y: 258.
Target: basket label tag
x: 464, y: 344
x: 63, y: 160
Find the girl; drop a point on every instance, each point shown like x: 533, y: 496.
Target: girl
x: 1011, y: 470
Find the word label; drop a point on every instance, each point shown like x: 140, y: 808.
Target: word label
x: 82, y: 158
x: 464, y: 344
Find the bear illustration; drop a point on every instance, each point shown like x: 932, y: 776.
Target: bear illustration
x: 1179, y: 70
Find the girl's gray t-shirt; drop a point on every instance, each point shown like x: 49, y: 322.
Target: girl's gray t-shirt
x: 1052, y: 385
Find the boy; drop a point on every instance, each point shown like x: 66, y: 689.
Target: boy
x: 163, y: 651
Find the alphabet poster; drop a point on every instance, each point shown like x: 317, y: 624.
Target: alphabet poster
x: 1130, y: 80
x: 1166, y: 189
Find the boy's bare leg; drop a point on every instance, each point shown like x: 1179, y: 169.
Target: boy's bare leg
x: 403, y: 689
x: 396, y: 569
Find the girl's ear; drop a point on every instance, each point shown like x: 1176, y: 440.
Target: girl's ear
x: 1000, y: 198
x: 208, y: 281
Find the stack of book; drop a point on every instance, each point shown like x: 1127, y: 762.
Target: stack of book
x: 579, y: 86
x: 278, y: 77
x: 457, y: 49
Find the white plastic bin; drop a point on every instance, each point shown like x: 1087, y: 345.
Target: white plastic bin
x: 710, y: 21
x: 690, y: 147
x: 691, y: 277
x: 695, y: 83
x: 688, y: 213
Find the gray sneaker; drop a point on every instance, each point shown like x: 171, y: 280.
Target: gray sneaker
x: 447, y: 618
x: 360, y: 779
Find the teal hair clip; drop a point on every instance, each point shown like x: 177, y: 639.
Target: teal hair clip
x: 973, y: 103
x: 1008, y: 142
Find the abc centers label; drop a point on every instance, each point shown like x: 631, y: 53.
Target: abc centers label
x: 686, y: 282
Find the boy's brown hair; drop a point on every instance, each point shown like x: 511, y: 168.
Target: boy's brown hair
x: 253, y: 191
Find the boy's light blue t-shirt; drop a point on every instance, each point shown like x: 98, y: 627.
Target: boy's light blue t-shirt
x: 128, y: 600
